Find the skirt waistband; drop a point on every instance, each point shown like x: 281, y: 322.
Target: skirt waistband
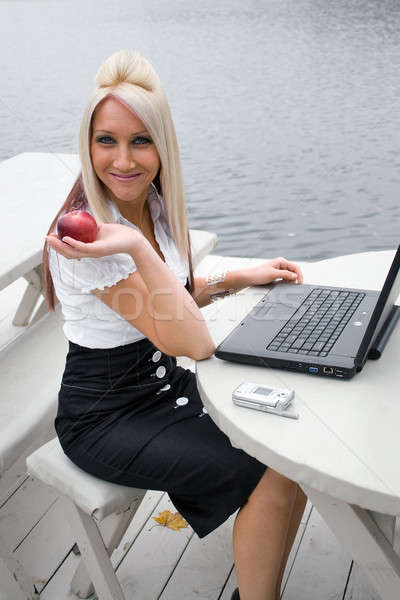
x: 119, y: 367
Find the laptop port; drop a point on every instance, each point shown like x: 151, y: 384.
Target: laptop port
x: 313, y: 369
x: 328, y: 370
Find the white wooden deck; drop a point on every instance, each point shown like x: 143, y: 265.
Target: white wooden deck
x: 159, y: 563
x: 156, y: 562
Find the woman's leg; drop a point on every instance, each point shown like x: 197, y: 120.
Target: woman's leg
x: 297, y: 513
x: 260, y: 534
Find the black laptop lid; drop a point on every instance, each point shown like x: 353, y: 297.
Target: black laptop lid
x: 383, y: 307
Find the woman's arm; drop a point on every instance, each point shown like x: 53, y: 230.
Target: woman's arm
x: 153, y: 300
x: 236, y: 280
x: 177, y: 318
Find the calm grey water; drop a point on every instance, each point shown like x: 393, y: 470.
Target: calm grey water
x: 286, y: 110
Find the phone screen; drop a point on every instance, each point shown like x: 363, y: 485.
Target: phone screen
x: 262, y: 390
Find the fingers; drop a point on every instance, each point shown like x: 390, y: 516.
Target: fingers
x: 68, y: 247
x: 286, y: 275
x: 286, y: 266
x: 293, y: 268
x: 74, y: 243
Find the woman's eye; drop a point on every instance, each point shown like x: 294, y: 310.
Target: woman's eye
x: 105, y: 139
x: 142, y: 140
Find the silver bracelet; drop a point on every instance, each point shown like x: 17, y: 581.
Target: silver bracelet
x: 213, y: 279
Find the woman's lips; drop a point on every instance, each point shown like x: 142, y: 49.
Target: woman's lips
x: 126, y: 177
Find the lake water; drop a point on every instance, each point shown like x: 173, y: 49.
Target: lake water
x: 287, y: 111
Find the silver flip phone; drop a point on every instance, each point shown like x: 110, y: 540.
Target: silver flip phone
x: 264, y: 398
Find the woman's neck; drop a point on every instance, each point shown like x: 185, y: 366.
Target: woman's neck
x: 137, y: 213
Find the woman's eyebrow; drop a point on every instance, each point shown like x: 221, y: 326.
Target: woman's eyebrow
x: 112, y: 133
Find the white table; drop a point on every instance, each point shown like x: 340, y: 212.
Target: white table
x: 344, y: 450
x: 33, y: 186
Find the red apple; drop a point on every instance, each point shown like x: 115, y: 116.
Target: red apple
x: 79, y: 225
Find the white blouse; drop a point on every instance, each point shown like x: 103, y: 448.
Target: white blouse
x: 87, y: 320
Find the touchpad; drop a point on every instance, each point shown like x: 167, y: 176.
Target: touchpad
x: 280, y: 312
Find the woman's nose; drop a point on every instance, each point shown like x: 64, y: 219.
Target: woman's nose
x: 123, y: 159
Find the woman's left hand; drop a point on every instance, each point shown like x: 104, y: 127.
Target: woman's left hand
x: 278, y: 268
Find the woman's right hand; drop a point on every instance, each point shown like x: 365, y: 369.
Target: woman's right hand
x: 111, y: 239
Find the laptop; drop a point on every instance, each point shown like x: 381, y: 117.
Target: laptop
x: 320, y: 330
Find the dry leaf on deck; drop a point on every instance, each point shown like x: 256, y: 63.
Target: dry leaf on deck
x: 171, y: 520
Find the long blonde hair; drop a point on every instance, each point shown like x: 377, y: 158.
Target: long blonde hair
x: 131, y: 79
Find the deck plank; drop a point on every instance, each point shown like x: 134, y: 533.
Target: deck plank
x: 147, y: 508
x: 18, y: 517
x: 12, y: 479
x: 204, y: 567
x: 146, y: 569
x: 321, y: 566
x: 53, y: 536
x: 8, y: 589
x: 358, y: 587
x: 58, y: 588
x: 305, y: 519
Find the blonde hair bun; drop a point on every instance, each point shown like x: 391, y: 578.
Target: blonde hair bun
x: 125, y: 66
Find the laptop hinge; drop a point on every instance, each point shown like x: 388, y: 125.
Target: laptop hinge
x: 384, y: 334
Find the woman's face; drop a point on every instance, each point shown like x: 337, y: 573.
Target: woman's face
x: 123, y: 154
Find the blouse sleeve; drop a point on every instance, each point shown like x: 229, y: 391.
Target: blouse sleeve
x: 88, y: 274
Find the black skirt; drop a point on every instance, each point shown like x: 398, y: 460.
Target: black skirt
x: 130, y: 415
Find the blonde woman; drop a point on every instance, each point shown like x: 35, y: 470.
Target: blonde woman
x: 127, y: 413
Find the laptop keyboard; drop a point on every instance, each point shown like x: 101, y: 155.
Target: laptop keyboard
x: 317, y: 323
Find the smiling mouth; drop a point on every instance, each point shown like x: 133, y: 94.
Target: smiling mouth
x: 126, y: 177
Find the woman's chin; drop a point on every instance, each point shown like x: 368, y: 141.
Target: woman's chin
x: 128, y: 195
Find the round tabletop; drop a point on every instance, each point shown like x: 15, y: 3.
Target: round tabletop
x: 345, y: 442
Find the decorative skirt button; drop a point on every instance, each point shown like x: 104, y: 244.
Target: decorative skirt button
x: 156, y: 356
x: 160, y: 373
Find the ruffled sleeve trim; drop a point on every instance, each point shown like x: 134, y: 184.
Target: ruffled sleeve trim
x: 117, y: 274
x: 89, y: 274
